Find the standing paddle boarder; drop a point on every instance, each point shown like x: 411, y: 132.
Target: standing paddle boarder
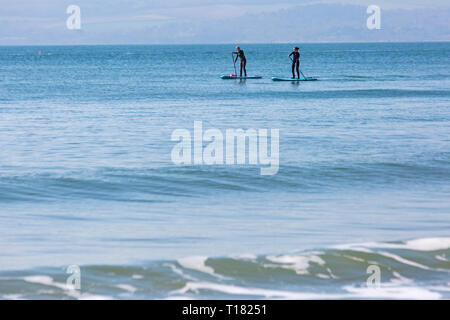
x: 295, y: 57
x: 240, y: 54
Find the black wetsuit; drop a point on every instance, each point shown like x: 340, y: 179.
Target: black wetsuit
x: 295, y: 63
x: 241, y: 55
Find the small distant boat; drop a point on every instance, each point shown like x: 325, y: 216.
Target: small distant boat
x: 294, y: 79
x: 233, y: 76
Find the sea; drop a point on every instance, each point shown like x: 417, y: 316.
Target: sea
x: 92, y: 205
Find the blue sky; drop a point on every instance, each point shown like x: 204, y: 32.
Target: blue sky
x: 219, y: 21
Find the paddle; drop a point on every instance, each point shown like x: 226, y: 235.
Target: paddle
x: 234, y: 64
x: 302, y: 74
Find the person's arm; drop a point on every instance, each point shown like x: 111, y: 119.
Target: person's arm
x: 237, y: 55
x: 290, y: 55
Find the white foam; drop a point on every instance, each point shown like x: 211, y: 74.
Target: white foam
x: 399, y: 279
x: 423, y: 244
x: 13, y: 297
x: 393, y: 292
x: 362, y: 247
x: 409, y: 262
x: 403, y: 260
x: 331, y: 274
x: 178, y: 298
x: 439, y: 288
x: 127, y: 287
x: 428, y: 244
x: 137, y: 276
x: 236, y: 290
x: 48, y: 281
x: 441, y: 257
x: 353, y: 258
x: 87, y: 296
x: 389, y: 291
x: 298, y: 263
x: 399, y: 287
x: 198, y: 263
x: 179, y: 272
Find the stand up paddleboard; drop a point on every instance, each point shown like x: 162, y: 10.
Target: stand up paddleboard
x: 296, y: 80
x: 227, y: 77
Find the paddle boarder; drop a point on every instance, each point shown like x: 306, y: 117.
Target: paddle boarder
x: 295, y: 57
x: 241, y: 55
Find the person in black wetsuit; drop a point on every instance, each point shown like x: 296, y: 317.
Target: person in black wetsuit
x: 240, y: 54
x: 295, y: 57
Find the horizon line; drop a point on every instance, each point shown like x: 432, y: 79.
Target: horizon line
x: 222, y: 43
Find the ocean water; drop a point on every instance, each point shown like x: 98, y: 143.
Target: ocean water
x: 86, y: 176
